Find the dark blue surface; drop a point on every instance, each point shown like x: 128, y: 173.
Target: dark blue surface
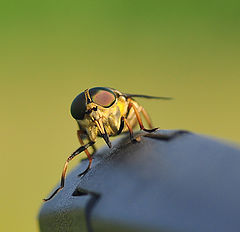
x: 189, y: 183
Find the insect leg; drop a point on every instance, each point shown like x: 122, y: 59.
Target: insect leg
x: 146, y: 116
x: 78, y: 151
x: 124, y: 120
x: 121, y: 126
x: 79, y: 133
x: 93, y: 146
x: 129, y: 129
x: 140, y: 120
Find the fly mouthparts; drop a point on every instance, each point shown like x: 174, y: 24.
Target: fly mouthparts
x: 106, y: 138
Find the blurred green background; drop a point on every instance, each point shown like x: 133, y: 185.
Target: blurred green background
x: 52, y: 50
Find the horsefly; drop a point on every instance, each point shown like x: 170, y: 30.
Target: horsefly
x: 104, y: 112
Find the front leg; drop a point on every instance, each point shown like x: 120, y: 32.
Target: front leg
x: 80, y: 133
x: 74, y: 154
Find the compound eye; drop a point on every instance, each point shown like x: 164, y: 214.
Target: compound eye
x: 78, y: 107
x: 102, y: 96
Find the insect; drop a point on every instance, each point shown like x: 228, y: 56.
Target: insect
x: 104, y: 112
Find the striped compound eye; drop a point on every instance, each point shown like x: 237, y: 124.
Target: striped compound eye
x: 78, y: 107
x: 102, y: 96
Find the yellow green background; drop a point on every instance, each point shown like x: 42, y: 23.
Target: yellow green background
x: 52, y: 50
